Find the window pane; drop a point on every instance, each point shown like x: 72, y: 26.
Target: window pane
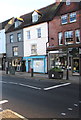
x: 34, y: 49
x: 60, y: 38
x: 69, y: 37
x: 15, y: 51
x: 11, y: 38
x: 35, y: 18
x: 73, y: 17
x: 77, y: 36
x: 19, y: 36
x: 64, y: 19
x: 39, y: 32
x: 28, y: 34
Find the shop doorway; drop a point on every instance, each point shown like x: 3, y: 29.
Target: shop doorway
x: 29, y: 65
x: 76, y: 66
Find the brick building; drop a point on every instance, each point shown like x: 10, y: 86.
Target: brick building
x: 64, y: 44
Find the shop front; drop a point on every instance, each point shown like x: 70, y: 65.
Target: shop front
x: 59, y: 58
x: 17, y: 63
x: 38, y: 63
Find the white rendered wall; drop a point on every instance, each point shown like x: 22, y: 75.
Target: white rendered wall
x: 2, y: 41
x: 40, y: 42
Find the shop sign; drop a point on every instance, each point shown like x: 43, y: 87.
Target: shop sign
x: 79, y: 50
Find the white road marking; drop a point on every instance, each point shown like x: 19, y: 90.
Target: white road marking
x: 3, y: 101
x: 56, y: 86
x: 3, y: 81
x: 75, y: 105
x: 63, y: 114
x: 30, y: 86
x: 13, y: 83
x: 70, y: 109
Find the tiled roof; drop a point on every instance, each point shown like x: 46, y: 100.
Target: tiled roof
x: 47, y: 12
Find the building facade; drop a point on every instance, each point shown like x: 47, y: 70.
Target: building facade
x: 27, y: 38
x: 3, y: 27
x: 65, y: 38
x: 35, y: 39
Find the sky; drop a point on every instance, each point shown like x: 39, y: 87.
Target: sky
x: 16, y: 8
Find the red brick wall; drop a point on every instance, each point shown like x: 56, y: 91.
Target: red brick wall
x: 55, y: 25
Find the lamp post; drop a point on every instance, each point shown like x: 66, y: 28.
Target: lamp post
x: 67, y: 72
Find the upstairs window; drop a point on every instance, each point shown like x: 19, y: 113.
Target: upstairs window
x: 34, y: 49
x: 28, y: 34
x: 60, y: 37
x: 35, y: 17
x: 77, y: 36
x: 15, y: 51
x: 19, y: 36
x: 69, y: 37
x: 68, y: 2
x: 11, y: 38
x: 64, y: 19
x: 73, y: 17
x: 39, y: 32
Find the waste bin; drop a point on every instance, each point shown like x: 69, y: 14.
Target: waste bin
x: 12, y: 70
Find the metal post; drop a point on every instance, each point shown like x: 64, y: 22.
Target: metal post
x: 67, y: 73
x: 31, y: 72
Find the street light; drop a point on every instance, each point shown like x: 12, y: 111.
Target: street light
x: 67, y: 72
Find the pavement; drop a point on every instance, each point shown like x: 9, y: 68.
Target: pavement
x: 40, y: 76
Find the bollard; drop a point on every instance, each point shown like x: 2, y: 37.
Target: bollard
x: 31, y: 72
x: 6, y: 70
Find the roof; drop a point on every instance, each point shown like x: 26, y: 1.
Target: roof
x: 3, y: 24
x: 47, y: 12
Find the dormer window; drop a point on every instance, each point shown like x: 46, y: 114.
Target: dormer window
x: 18, y: 22
x: 36, y: 15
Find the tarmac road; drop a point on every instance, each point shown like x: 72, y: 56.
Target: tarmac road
x: 40, y: 98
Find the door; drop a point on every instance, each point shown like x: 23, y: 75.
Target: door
x: 76, y: 66
x: 29, y: 65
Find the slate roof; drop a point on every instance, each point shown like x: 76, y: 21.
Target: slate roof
x: 3, y: 24
x: 48, y: 13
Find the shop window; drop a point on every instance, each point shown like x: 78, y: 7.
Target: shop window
x: 64, y: 19
x: 28, y: 34
x: 73, y: 17
x: 39, y: 32
x: 19, y: 36
x: 15, y: 51
x: 77, y: 36
x: 60, y: 37
x: 11, y: 38
x: 69, y: 37
x: 34, y: 49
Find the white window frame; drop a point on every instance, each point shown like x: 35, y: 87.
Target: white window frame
x: 64, y: 17
x: 19, y: 36
x: 68, y: 2
x: 11, y: 38
x: 71, y: 16
x: 60, y: 38
x: 68, y: 35
x: 34, y: 17
x: 77, y: 34
x: 38, y: 32
x: 28, y: 34
x: 33, y: 49
x: 15, y: 51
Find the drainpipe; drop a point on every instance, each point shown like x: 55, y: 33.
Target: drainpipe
x: 46, y: 50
